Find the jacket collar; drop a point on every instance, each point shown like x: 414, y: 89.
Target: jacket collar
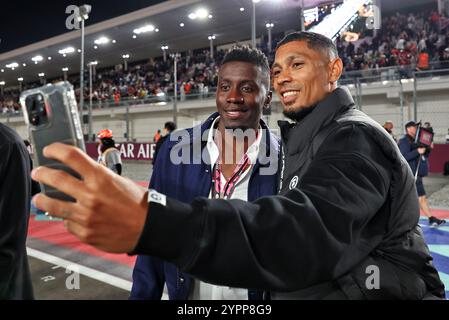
x: 269, y: 144
x: 297, y: 135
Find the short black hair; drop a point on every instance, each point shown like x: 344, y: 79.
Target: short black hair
x: 170, y: 126
x: 246, y: 54
x: 314, y: 41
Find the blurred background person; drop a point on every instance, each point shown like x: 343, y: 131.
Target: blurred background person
x: 169, y: 127
x: 388, y: 126
x: 109, y: 155
x: 416, y: 157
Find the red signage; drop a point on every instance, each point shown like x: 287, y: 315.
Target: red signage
x: 128, y: 151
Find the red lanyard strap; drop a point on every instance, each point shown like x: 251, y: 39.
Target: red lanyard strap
x: 225, y: 192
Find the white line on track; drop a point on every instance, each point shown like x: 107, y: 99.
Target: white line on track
x: 86, y: 271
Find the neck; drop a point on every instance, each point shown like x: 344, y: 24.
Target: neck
x: 233, y: 144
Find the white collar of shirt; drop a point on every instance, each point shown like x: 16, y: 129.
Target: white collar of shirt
x: 214, y: 153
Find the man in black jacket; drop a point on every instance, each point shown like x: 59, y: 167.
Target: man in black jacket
x: 15, y: 195
x: 344, y: 225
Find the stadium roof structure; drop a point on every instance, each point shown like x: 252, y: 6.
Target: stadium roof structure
x: 120, y: 35
x: 227, y: 22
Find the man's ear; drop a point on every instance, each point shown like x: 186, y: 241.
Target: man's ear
x: 335, y: 70
x: 268, y: 98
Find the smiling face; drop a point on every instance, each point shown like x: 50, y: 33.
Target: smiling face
x: 303, y: 76
x: 242, y: 92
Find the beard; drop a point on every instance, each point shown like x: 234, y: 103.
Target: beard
x: 298, y: 115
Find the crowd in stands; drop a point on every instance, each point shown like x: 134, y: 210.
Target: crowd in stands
x: 417, y: 39
x: 197, y: 73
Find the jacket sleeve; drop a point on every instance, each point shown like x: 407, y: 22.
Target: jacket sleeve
x: 15, y: 185
x: 407, y: 151
x: 148, y: 273
x: 314, y: 233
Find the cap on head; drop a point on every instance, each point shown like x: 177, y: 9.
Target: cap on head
x: 411, y: 123
x: 106, y: 133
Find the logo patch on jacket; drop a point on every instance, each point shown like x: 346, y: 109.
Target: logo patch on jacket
x: 154, y: 196
x: 293, y: 182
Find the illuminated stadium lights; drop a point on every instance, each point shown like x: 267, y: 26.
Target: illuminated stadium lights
x: 156, y: 30
x: 66, y: 51
x: 41, y: 74
x: 210, y: 16
x: 164, y: 51
x: 20, y: 79
x: 125, y: 61
x: 181, y: 25
x: 134, y: 36
x: 2, y: 83
x: 65, y: 69
x: 269, y: 26
x: 211, y: 40
x: 242, y: 9
x: 12, y: 65
x: 114, y: 41
x: 199, y: 14
x: 144, y: 29
x: 24, y: 64
x: 49, y: 58
x: 102, y: 40
x: 36, y: 59
x: 84, y: 11
x: 2, y: 70
x: 79, y: 50
x: 92, y: 63
x: 95, y: 47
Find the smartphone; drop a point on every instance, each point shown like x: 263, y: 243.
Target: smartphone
x: 51, y: 114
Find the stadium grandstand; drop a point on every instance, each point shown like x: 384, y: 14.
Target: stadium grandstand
x: 160, y: 63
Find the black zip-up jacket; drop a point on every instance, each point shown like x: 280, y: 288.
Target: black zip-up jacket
x: 15, y: 196
x: 344, y: 225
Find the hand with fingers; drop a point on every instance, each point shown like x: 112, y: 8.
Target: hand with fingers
x: 109, y: 212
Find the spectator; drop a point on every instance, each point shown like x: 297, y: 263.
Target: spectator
x: 388, y: 126
x: 416, y: 157
x: 157, y: 136
x: 109, y: 154
x: 169, y: 127
x: 423, y: 61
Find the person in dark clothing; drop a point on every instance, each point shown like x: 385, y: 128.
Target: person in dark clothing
x: 416, y: 157
x: 344, y: 224
x: 15, y: 195
x: 169, y: 127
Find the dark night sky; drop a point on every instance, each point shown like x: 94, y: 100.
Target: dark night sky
x: 25, y: 22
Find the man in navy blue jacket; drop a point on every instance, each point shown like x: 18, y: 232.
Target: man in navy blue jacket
x: 243, y: 90
x: 412, y: 153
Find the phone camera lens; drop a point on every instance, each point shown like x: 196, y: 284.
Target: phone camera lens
x: 36, y: 109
